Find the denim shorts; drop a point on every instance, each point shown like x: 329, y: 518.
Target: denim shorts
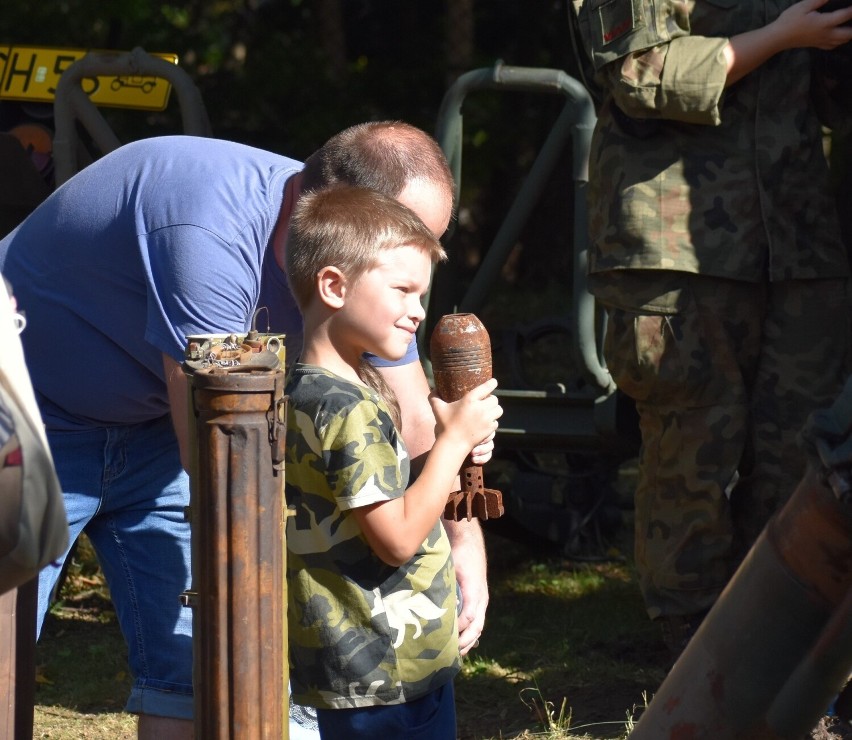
x: 303, y: 720
x: 431, y: 717
x: 125, y: 487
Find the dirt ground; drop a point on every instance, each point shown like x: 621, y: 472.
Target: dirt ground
x: 550, y: 665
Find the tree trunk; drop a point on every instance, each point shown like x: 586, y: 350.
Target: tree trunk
x: 460, y: 38
x: 333, y: 38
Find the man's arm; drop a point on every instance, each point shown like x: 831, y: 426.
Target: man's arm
x: 800, y: 26
x: 176, y: 382
x: 472, y: 574
x: 412, y: 390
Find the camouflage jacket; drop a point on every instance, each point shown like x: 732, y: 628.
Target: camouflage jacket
x: 690, y: 176
x: 361, y: 632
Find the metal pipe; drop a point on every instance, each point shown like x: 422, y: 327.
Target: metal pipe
x: 576, y: 121
x: 239, y: 593
x: 779, y: 604
x: 819, y: 678
x: 18, y: 609
x: 71, y: 103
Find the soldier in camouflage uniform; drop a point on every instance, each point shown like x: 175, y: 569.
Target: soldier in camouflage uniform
x: 371, y: 587
x: 716, y: 250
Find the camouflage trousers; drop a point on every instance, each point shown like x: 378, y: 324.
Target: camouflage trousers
x: 724, y: 374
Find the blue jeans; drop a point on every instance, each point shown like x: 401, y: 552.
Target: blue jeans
x: 431, y: 717
x: 126, y: 488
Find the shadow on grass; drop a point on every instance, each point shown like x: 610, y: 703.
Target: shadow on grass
x: 561, y: 637
x: 562, y: 640
x: 81, y: 658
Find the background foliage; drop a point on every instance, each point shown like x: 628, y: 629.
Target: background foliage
x: 286, y: 74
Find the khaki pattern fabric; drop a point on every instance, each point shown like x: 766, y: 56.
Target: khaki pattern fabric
x: 361, y: 632
x: 686, y: 175
x: 720, y: 410
x: 717, y: 253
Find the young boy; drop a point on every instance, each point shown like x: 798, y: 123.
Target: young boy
x: 371, y: 587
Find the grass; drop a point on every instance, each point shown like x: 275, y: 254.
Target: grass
x: 567, y: 653
x: 81, y: 670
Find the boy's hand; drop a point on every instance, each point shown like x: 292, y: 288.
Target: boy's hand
x: 472, y: 420
x: 481, y: 454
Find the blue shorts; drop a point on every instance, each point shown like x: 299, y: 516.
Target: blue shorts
x: 126, y: 488
x: 431, y: 717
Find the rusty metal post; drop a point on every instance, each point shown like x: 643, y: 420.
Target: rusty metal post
x: 18, y: 609
x: 460, y: 351
x: 239, y: 590
x: 769, y: 636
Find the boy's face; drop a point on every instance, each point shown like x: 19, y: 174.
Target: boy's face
x: 383, y: 306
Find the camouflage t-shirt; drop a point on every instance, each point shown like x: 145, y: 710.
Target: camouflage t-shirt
x: 689, y: 175
x: 361, y: 632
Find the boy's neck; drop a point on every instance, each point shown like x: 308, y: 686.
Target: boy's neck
x: 319, y: 350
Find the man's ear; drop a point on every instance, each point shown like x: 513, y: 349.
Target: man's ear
x: 331, y: 286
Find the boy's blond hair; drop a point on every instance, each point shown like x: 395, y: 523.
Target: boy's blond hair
x: 348, y: 227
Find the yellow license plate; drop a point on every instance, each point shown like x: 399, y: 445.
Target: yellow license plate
x: 32, y: 73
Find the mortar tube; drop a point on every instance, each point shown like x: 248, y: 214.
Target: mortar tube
x: 806, y: 696
x: 774, y: 609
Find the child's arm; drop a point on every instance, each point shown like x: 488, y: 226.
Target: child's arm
x: 396, y: 529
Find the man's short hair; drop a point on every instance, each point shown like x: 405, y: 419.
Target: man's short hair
x: 380, y: 155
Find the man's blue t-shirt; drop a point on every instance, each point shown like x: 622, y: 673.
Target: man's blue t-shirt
x: 160, y: 239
